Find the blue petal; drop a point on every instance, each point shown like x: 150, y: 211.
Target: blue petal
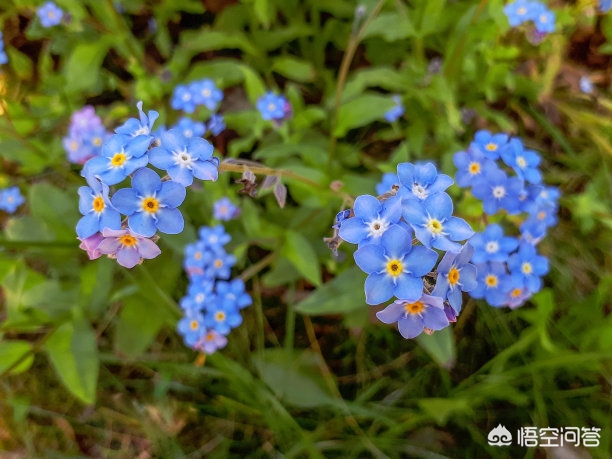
x: 353, y: 230
x: 181, y: 175
x: 87, y: 226
x: 468, y: 279
x: 142, y: 224
x: 408, y: 288
x: 413, y: 212
x: 110, y: 219
x: 367, y: 207
x: 405, y: 173
x: 172, y: 194
x: 85, y: 199
x: 138, y: 146
x: 435, y: 318
x: 200, y: 148
x: 439, y: 205
x: 170, y: 221
x: 173, y: 141
x: 126, y: 201
x: 442, y: 183
x: 370, y: 258
x: 455, y: 298
x: 420, y: 261
x: 458, y: 229
x: 161, y: 158
x: 391, y: 313
x: 410, y: 326
x: 378, y: 288
x: 392, y: 209
x: 445, y: 244
x: 396, y: 241
x: 146, y: 182
x: 205, y: 170
x: 425, y: 173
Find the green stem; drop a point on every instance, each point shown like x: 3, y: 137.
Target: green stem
x: 35, y: 348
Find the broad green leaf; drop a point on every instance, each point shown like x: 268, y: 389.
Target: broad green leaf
x: 337, y: 296
x: 138, y: 325
x: 11, y: 352
x: 73, y: 352
x: 391, y: 26
x: 383, y: 77
x: 361, y: 111
x: 294, y: 377
x: 56, y: 208
x: 293, y: 68
x: 440, y: 346
x: 297, y: 249
x: 82, y: 70
x: 254, y: 85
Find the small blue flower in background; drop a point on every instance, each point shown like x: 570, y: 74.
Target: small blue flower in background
x: 49, y: 14
x: 222, y: 317
x: 189, y: 128
x: 86, y: 135
x: 528, y: 266
x: 419, y: 181
x: 10, y: 199
x: 210, y: 342
x: 271, y: 106
x: 519, y: 12
x: 185, y: 158
x: 493, y: 283
x: 128, y: 247
x: 221, y: 265
x: 151, y: 204
x: 142, y: 127
x: 96, y: 208
x: 191, y: 326
x: 498, y: 191
x: 524, y: 162
x: 120, y: 156
x: 372, y: 218
x: 214, y: 238
x: 471, y: 165
x: 413, y: 317
x: 394, y: 267
x: 389, y: 180
x: 586, y: 85
x: 543, y: 18
x: 206, y: 93
x: 3, y: 56
x: 605, y: 5
x: 233, y: 292
x: 225, y: 210
x: 216, y: 124
x: 182, y: 99
x: 398, y: 110
x: 492, y: 245
x: 455, y: 275
x: 489, y: 144
x: 433, y: 223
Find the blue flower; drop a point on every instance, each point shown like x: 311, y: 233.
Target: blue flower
x: 190, y: 128
x: 210, y: 342
x: 489, y: 144
x: 197, y: 256
x: 220, y: 265
x: 142, y: 127
x: 605, y: 5
x: 419, y: 181
x: 214, y: 238
x: 182, y: 99
x: 389, y: 180
x: 121, y: 155
x: 455, y: 275
x: 98, y: 213
x: 222, y: 317
x: 10, y: 199
x: 271, y: 106
x: 151, y: 204
x: 224, y: 209
x: 518, y: 12
x: 206, y: 93
x: 199, y: 293
x: 524, y: 162
x: 413, y: 316
x: 372, y: 218
x: 434, y: 224
x: 398, y: 110
x: 492, y: 245
x: 185, y: 158
x: 394, y: 267
x: 528, y: 266
x: 586, y: 85
x: 3, y: 56
x: 493, y: 283
x: 543, y: 18
x: 49, y: 14
x: 127, y: 247
x: 471, y: 165
x: 234, y: 293
x: 191, y: 326
x: 216, y: 125
x: 497, y: 191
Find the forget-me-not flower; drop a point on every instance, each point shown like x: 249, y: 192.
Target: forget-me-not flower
x: 372, y: 218
x: 128, y: 247
x: 455, y: 275
x: 98, y: 213
x: 49, y: 14
x: 413, y: 316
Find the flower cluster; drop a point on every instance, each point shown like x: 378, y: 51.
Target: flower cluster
x: 10, y: 199
x: 274, y: 107
x: 522, y: 11
x: 197, y: 93
x: 151, y: 203
x: 86, y: 135
x: 213, y: 301
x: 49, y: 14
x: 509, y: 268
x: 413, y: 204
x: 3, y: 56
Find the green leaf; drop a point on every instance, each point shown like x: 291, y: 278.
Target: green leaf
x: 138, y: 325
x: 440, y: 346
x: 391, y: 26
x: 73, y: 352
x: 384, y: 77
x: 54, y: 207
x: 297, y: 250
x: 11, y: 352
x: 337, y: 296
x: 294, y: 69
x: 254, y: 85
x: 82, y: 70
x: 294, y: 377
x: 361, y: 111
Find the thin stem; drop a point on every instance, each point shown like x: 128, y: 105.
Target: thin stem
x: 261, y: 264
x: 35, y: 348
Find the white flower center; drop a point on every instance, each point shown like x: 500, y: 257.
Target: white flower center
x: 492, y: 247
x: 499, y: 192
x: 419, y: 191
x: 183, y: 159
x: 377, y: 227
x: 520, y: 161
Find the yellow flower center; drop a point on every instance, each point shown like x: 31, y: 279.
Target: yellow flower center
x: 127, y: 240
x: 526, y: 268
x: 271, y: 107
x: 218, y: 263
x: 150, y: 205
x: 516, y: 292
x: 414, y: 308
x: 97, y: 141
x: 394, y: 268
x: 491, y: 280
x: 194, y: 325
x: 522, y: 10
x: 118, y: 159
x: 219, y: 316
x: 491, y: 146
x: 453, y: 276
x: 210, y: 336
x: 434, y: 226
x: 74, y: 145
x: 521, y: 162
x: 98, y: 204
x: 541, y: 215
x: 198, y: 255
x: 474, y: 168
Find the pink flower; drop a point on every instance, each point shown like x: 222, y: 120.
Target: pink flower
x: 127, y: 247
x: 90, y: 245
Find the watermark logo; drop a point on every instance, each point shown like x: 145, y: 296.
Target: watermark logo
x: 499, y: 436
